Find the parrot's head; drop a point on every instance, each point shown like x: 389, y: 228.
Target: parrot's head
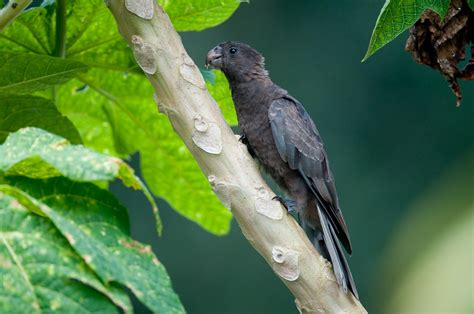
x: 236, y: 60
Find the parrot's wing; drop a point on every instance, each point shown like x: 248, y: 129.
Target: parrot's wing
x: 299, y: 144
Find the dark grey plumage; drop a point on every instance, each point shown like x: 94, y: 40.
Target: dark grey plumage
x: 284, y: 139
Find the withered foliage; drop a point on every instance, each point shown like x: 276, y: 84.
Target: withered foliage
x: 441, y: 44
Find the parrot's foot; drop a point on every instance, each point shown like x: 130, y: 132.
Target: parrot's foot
x: 244, y: 140
x: 289, y: 204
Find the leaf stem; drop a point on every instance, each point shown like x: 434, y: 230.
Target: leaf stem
x: 9, y: 13
x: 60, y: 48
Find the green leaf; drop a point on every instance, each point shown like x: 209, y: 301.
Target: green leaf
x: 219, y: 89
x: 198, y: 14
x: 91, y: 36
x: 181, y: 181
x: 113, y: 99
x: 26, y: 73
x: 73, y: 161
x: 96, y: 226
x: 471, y: 4
x: 102, y: 125
x: 112, y: 108
x: 398, y: 15
x: 36, y: 153
x: 166, y: 164
x: 39, y: 269
x: 208, y: 75
x: 18, y: 111
x: 30, y: 32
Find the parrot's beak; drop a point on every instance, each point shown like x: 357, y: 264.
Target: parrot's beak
x: 214, y: 58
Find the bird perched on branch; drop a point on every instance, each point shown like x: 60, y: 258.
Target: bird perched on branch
x: 282, y: 137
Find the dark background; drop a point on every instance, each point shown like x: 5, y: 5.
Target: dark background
x: 390, y: 127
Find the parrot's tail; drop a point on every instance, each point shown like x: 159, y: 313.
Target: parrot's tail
x: 326, y: 242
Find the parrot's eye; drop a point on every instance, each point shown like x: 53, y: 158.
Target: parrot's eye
x: 233, y: 50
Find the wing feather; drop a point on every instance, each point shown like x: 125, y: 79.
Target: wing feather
x: 298, y: 143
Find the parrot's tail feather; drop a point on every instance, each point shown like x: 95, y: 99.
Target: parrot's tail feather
x: 334, y: 250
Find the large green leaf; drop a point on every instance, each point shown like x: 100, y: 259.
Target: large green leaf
x: 197, y: 15
x: 47, y: 150
x: 116, y: 101
x: 96, y: 226
x: 471, y: 4
x: 113, y: 109
x: 166, y: 164
x: 30, y: 32
x: 18, y: 111
x: 398, y: 15
x: 39, y: 269
x: 36, y: 153
x: 181, y: 182
x: 26, y: 73
x: 91, y: 37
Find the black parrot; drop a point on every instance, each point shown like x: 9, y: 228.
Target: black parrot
x: 282, y: 137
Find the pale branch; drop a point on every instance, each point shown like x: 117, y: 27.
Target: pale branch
x: 232, y: 174
x: 9, y: 13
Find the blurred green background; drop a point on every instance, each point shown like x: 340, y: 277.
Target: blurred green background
x: 402, y: 155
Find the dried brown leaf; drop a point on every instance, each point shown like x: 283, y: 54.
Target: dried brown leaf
x: 441, y: 44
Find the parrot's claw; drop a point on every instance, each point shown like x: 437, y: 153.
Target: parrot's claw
x: 289, y: 204
x: 243, y: 138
